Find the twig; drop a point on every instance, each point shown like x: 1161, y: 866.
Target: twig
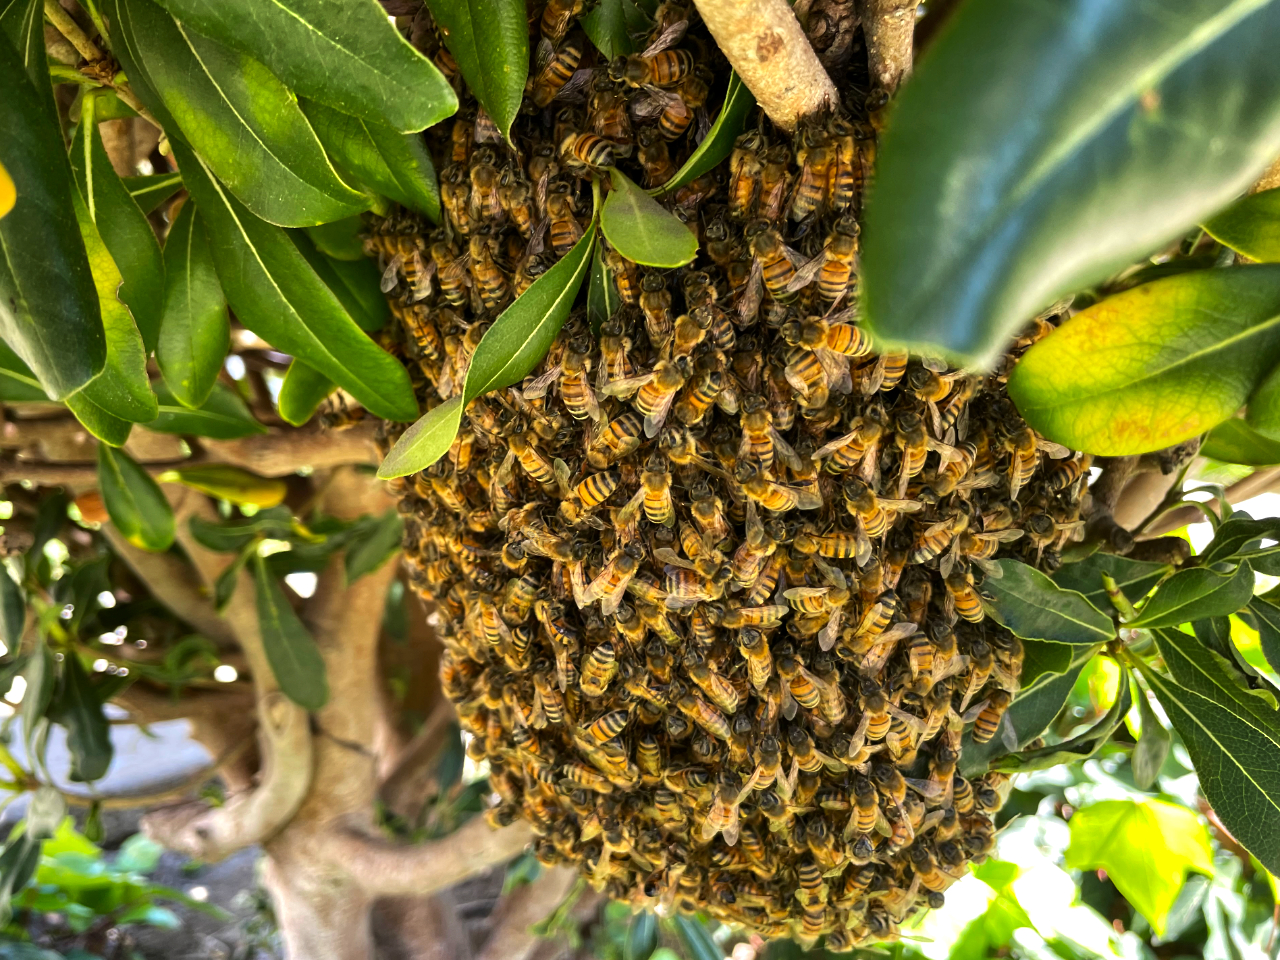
x: 767, y: 48
x: 1258, y: 482
x: 71, y: 30
x: 889, y: 26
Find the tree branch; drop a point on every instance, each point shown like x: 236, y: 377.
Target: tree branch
x: 385, y: 868
x: 71, y: 30
x: 282, y: 452
x: 889, y: 26
x: 510, y: 937
x: 1259, y: 482
x: 405, y: 786
x: 772, y: 56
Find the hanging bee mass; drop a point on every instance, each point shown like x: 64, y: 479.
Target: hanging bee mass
x: 709, y: 581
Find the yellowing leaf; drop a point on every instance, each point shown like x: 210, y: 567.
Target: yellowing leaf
x: 7, y: 194
x: 1250, y: 226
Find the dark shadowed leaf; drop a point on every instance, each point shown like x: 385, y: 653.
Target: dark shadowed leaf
x: 22, y: 21
x: 1135, y: 578
x: 41, y: 675
x: 122, y: 226
x: 152, y: 189
x: 195, y: 333
x: 1196, y: 594
x: 231, y: 536
x: 1250, y: 226
x: 518, y: 339
x: 225, y: 586
x: 17, y: 383
x: 346, y: 54
x: 293, y: 655
x: 340, y: 239
x: 603, y: 299
x: 230, y: 483
x: 1263, y: 415
x: 13, y: 611
x: 1233, y: 738
x: 244, y: 123
x: 223, y: 416
x: 1234, y: 534
x: 489, y: 39
x: 275, y: 293
x: 373, y: 545
x: 1105, y: 137
x: 355, y: 283
x: 78, y: 708
x: 729, y: 123
x: 697, y: 938
x: 49, y: 311
x: 134, y: 501
x: 1080, y: 747
x: 642, y: 937
x: 1036, y: 608
x: 640, y: 229
x: 302, y: 393
x: 1042, y: 657
x: 1032, y: 711
x: 1155, y: 365
x: 379, y: 157
x: 1153, y: 745
x: 1234, y: 441
x: 613, y: 26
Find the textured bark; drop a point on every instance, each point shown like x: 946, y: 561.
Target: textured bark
x: 889, y: 26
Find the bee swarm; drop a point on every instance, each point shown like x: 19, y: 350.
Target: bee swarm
x: 708, y: 579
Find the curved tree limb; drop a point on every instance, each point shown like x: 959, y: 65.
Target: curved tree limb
x: 889, y: 26
x: 510, y: 938
x: 771, y: 54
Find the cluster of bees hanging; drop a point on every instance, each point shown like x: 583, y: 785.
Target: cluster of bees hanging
x: 708, y: 580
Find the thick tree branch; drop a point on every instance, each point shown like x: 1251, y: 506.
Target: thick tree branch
x: 771, y: 54
x: 510, y: 938
x: 384, y: 868
x: 1259, y: 482
x: 889, y: 26
x: 282, y: 452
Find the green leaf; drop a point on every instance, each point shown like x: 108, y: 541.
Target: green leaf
x: 1250, y: 226
x: 718, y: 143
x: 121, y: 224
x: 642, y: 937
x: 106, y: 427
x: 603, y: 299
x: 1233, y: 738
x: 291, y: 651
x: 22, y: 21
x: 229, y: 578
x: 1146, y: 848
x: 88, y: 734
x: 1034, y: 708
x: 41, y: 676
x: 697, y: 938
x: 355, y: 284
x: 379, y: 157
x: 1082, y: 139
x: 13, y: 612
x: 122, y: 389
x: 340, y: 239
x: 1262, y: 615
x: 1036, y: 608
x: 1080, y: 747
x: 195, y: 333
x: 1196, y: 594
x: 275, y: 293
x: 49, y: 311
x: 1235, y: 534
x: 1234, y: 441
x: 1153, y: 745
x: 241, y: 120
x: 373, y: 545
x: 134, y: 501
x: 1043, y: 658
x: 641, y: 230
x: 612, y: 25
x: 1155, y: 365
x: 518, y: 339
x: 223, y: 416
x: 231, y: 536
x: 227, y: 482
x: 17, y: 383
x: 489, y: 39
x: 301, y: 393
x: 1263, y: 414
x: 1135, y: 578
x: 152, y: 189
x: 345, y: 54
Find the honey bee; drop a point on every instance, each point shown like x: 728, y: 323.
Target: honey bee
x: 516, y: 199
x: 611, y: 584
x: 875, y: 515
x: 963, y: 597
x: 837, y: 265
x: 485, y: 201
x: 557, y: 17
x: 754, y: 648
x: 745, y: 167
x: 1024, y: 448
x: 660, y: 68
x: 655, y: 303
x: 989, y: 717
x: 915, y: 444
x: 700, y: 396
x: 1066, y: 472
x: 557, y: 72
x: 773, y: 268
x: 704, y: 715
x: 598, y: 670
x: 845, y: 164
x: 774, y: 180
x: 489, y: 279
x: 722, y: 693
x: 624, y: 277
x: 619, y: 439
x: 607, y: 111
x: 815, y: 159
x: 657, y: 392
x: 775, y: 496
x: 858, y: 448
x: 655, y: 157
x: 586, y: 150
x: 565, y: 230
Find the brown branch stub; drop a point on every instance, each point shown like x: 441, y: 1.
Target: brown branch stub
x: 889, y: 26
x: 771, y: 54
x: 208, y: 833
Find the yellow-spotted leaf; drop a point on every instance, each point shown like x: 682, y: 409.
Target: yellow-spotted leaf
x: 1250, y: 226
x: 229, y: 483
x: 1155, y: 365
x: 7, y: 194
x: 134, y: 501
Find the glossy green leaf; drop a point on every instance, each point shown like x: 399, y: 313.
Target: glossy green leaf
x: 489, y: 39
x: 105, y: 426
x: 379, y: 157
x: 613, y: 26
x: 373, y: 545
x: 696, y: 938
x: 345, y: 53
x: 340, y: 239
x: 1263, y: 415
x: 354, y: 283
x: 195, y: 333
x: 1135, y: 578
x: 1233, y: 738
x: 231, y: 536
x: 22, y: 21
x: 78, y: 708
x: 290, y: 649
x: 134, y: 501
x: 122, y: 389
x: 1197, y: 593
x: 128, y: 48
x: 275, y: 293
x: 122, y: 225
x: 1234, y: 535
x: 150, y: 190
x: 17, y: 382
x: 640, y: 229
x: 1234, y: 441
x: 1155, y: 365
x: 49, y: 313
x: 225, y: 586
x: 1152, y: 748
x: 13, y: 611
x: 302, y: 393
x: 223, y: 416
x: 227, y: 482
x: 603, y: 299
x: 718, y: 144
x: 1250, y: 226
x: 642, y: 937
x: 1083, y: 138
x: 243, y: 122
x: 1035, y: 608
x: 1146, y: 848
x: 518, y: 339
x: 1043, y: 658
x: 1264, y: 617
x: 1080, y: 747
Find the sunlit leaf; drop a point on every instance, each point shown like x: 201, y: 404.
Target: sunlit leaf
x: 1196, y: 594
x: 1250, y: 226
x: 290, y: 649
x: 640, y: 229
x: 1104, y: 137
x: 1155, y: 365
x: 302, y: 393
x: 729, y: 124
x: 223, y: 416
x: 227, y: 482
x: 489, y: 39
x: 1234, y: 535
x: 150, y: 190
x: 1152, y: 748
x: 1035, y: 608
x: 1265, y: 618
x: 134, y: 501
x: 1234, y: 441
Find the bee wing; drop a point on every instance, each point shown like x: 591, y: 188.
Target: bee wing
x: 829, y: 633
x: 872, y: 383
x: 749, y: 301
x: 789, y: 705
x: 502, y: 476
x: 389, y: 275
x: 936, y: 364
x: 972, y: 713
x: 807, y: 499
x: 784, y: 451
x: 882, y: 824
x: 575, y: 89
x: 543, y: 54
x: 838, y: 443
x: 836, y: 367
x: 901, y: 506
x: 755, y: 528
x: 578, y: 582
x: 1000, y: 536
x: 626, y: 386
x: 538, y: 386
x: 653, y: 421
x: 731, y: 830
x: 669, y: 556
x: 935, y: 418
x: 727, y: 400
x: 668, y: 38
x: 806, y: 270
x: 539, y: 718
x: 949, y: 668
x: 859, y: 737
x: 561, y: 470
x: 1055, y: 450
x: 947, y: 452
x: 800, y: 593
x: 926, y: 788
x: 653, y: 102
x: 422, y: 284
x: 948, y: 561
x: 612, y: 599
x: 833, y: 575
x: 1008, y: 735
x: 911, y: 720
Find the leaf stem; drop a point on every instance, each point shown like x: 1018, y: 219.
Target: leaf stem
x: 1118, y: 599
